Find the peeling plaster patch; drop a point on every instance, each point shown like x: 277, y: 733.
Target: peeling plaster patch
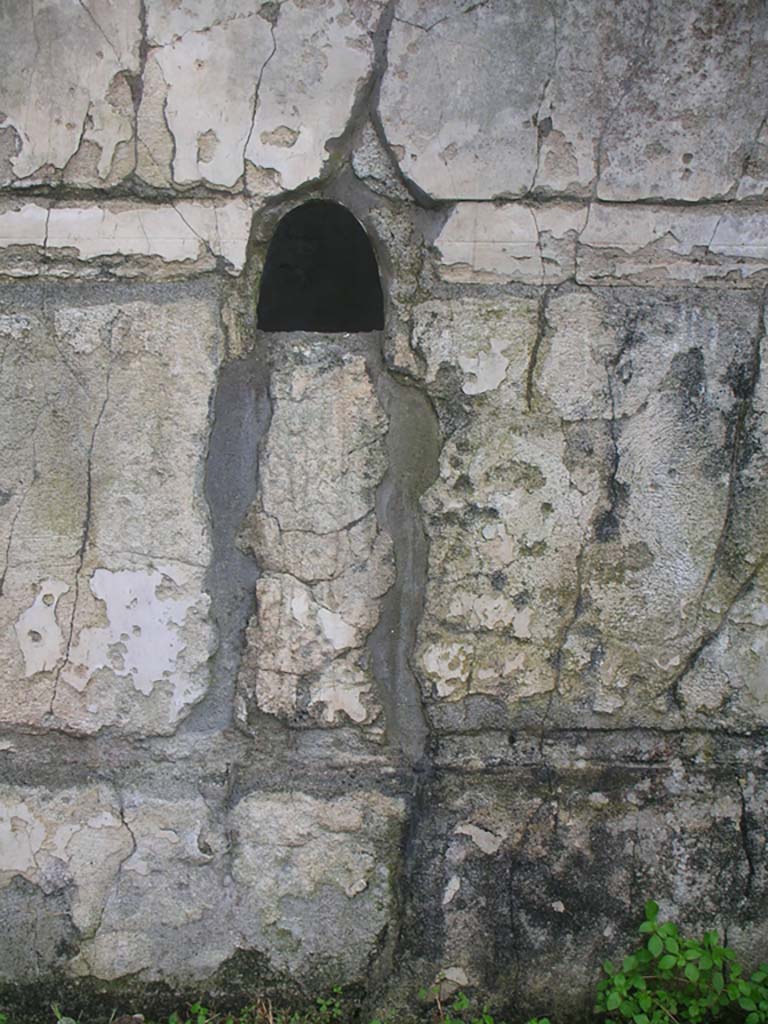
x: 488, y: 341
x: 323, y: 56
x: 448, y: 665
x: 341, y: 695
x: 38, y: 632
x: 134, y: 603
x: 656, y: 244
x: 315, y: 872
x: 71, y: 96
x: 483, y: 242
x: 72, y: 837
x: 211, y: 77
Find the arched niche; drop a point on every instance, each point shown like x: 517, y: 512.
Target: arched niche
x: 320, y: 274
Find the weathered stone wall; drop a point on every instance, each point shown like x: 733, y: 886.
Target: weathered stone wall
x: 370, y: 659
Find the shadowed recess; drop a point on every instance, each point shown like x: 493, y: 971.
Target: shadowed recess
x: 320, y: 274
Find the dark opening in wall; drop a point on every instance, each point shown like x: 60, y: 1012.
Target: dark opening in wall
x: 320, y: 274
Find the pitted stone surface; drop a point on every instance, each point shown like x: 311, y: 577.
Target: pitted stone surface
x: 106, y: 535
x: 589, y: 527
x: 461, y: 94
x: 485, y: 100
x: 314, y: 530
x: 705, y: 65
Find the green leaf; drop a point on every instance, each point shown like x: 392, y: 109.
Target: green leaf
x: 608, y: 967
x: 641, y: 1018
x: 645, y: 1001
x: 672, y: 946
x: 655, y: 945
x: 705, y: 962
x: 629, y: 964
x: 651, y: 910
x: 752, y: 1018
x: 692, y: 972
x: 747, y: 1004
x: 647, y: 926
x: 667, y: 962
x: 613, y: 1000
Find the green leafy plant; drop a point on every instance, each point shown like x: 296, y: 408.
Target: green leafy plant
x: 671, y: 978
x: 60, y: 1017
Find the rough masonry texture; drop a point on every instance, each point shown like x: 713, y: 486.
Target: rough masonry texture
x: 375, y: 659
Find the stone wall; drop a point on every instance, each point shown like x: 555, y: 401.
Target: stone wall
x: 370, y: 659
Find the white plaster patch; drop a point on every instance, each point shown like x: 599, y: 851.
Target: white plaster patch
x: 78, y: 53
x: 481, y: 837
x: 23, y: 226
x: 37, y: 631
x: 142, y: 640
x: 488, y: 341
x: 486, y: 370
x: 335, y: 629
x: 21, y: 836
x: 338, y: 697
x: 74, y: 836
x: 449, y: 665
x: 175, y: 233
x: 453, y: 886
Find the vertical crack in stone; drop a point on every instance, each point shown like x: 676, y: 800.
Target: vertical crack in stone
x: 541, y: 131
x: 413, y: 447
x: 712, y: 634
x: 738, y: 444
x: 86, y: 527
x: 607, y: 526
x: 530, y: 374
x: 21, y: 504
x: 559, y: 653
x: 136, y: 83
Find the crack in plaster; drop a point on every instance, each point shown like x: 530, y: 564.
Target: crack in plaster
x: 256, y: 93
x: 100, y: 30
